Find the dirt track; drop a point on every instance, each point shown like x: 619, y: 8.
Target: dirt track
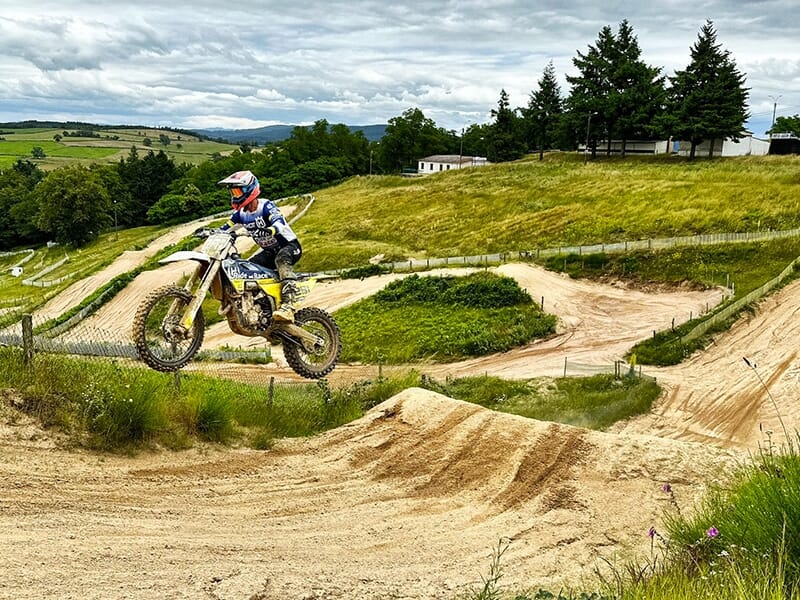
x: 409, y: 501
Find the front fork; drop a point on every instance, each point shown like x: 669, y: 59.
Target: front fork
x: 199, y: 296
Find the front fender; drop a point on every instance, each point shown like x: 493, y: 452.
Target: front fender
x: 186, y: 255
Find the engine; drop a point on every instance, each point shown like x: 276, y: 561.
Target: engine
x: 255, y: 309
x: 250, y: 311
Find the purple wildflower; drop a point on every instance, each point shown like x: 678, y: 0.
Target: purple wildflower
x: 712, y: 532
x: 652, y: 532
x: 666, y: 488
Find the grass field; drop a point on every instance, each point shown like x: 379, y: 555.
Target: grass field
x: 82, y: 263
x: 529, y: 204
x: 112, y: 145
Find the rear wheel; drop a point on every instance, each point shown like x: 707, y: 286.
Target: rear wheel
x: 160, y: 340
x: 320, y: 361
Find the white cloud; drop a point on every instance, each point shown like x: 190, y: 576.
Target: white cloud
x: 253, y: 62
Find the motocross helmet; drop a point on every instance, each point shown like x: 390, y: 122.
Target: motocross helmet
x: 244, y: 189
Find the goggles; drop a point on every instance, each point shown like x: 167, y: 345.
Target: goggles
x: 236, y: 192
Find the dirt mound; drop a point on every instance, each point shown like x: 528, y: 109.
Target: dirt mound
x: 408, y: 501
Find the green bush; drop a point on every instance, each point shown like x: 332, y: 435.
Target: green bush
x: 414, y: 289
x: 365, y: 271
x: 117, y: 417
x: 485, y: 290
x: 443, y: 318
x: 478, y: 290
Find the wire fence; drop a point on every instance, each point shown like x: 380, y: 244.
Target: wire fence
x: 581, y: 250
x: 733, y: 308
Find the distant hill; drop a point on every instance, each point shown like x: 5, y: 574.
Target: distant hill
x: 64, y: 142
x: 277, y: 133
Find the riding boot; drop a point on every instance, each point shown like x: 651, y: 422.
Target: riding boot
x: 288, y: 293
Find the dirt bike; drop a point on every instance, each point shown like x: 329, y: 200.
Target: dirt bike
x: 169, y: 324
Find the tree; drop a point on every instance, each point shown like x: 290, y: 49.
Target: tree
x: 473, y: 141
x: 164, y: 139
x: 615, y: 93
x: 637, y: 93
x: 17, y: 208
x: 590, y: 90
x: 29, y: 169
x: 109, y: 178
x: 173, y: 208
x: 786, y: 125
x: 73, y: 205
x: 146, y: 180
x: 38, y: 152
x: 545, y: 107
x: 707, y: 100
x: 505, y: 134
x: 408, y: 138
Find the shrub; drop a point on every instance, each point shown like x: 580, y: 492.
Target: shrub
x: 365, y: 271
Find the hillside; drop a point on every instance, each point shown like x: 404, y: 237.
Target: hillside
x: 530, y: 204
x: 107, y: 144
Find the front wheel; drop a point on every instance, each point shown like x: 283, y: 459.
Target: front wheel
x: 323, y: 358
x: 160, y: 340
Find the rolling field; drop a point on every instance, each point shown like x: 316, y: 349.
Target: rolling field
x: 112, y: 145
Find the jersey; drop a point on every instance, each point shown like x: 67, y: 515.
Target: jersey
x: 258, y: 222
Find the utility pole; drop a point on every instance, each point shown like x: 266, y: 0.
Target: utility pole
x: 774, y: 107
x: 461, y: 148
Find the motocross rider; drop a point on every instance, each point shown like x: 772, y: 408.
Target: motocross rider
x: 280, y: 248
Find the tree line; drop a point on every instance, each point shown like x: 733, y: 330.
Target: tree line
x: 615, y: 95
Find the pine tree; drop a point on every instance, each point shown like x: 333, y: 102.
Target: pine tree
x: 615, y: 91
x: 545, y: 108
x: 505, y: 139
x: 637, y: 89
x: 588, y: 98
x: 707, y: 100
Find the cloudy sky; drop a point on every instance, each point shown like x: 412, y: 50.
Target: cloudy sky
x: 248, y: 63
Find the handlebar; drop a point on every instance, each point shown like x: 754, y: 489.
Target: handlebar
x: 205, y: 232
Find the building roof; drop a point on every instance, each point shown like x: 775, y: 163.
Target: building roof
x: 448, y: 158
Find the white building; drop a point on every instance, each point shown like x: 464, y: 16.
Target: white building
x: 446, y: 162
x: 747, y: 145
